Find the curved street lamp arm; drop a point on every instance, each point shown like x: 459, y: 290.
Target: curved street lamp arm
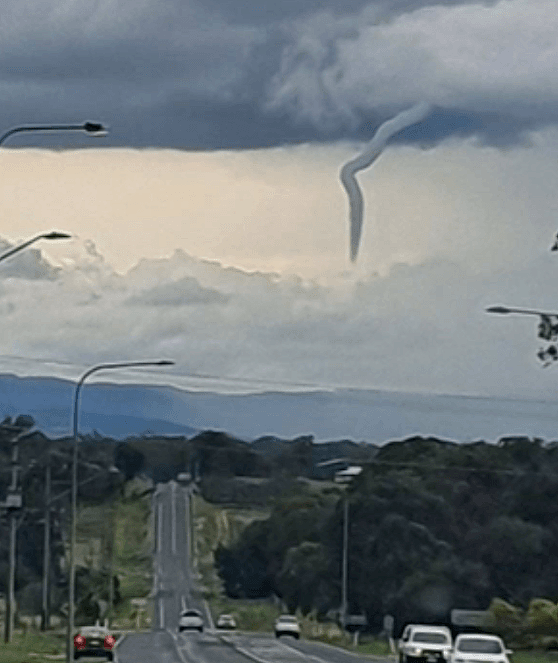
x: 503, y: 310
x: 101, y: 367
x: 20, y: 247
x: 89, y: 127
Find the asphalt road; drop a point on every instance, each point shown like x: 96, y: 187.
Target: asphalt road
x: 174, y: 589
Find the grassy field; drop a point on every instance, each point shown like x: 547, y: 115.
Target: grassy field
x: 32, y: 647
x: 128, y: 519
x: 133, y: 550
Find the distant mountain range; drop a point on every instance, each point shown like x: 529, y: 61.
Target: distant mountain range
x: 117, y: 410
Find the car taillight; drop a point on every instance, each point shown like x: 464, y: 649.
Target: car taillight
x: 79, y: 642
x: 109, y: 641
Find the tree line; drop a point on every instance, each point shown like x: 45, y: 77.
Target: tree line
x: 433, y: 526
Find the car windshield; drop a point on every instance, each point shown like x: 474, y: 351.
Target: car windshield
x: 430, y: 638
x: 479, y: 646
x: 287, y: 618
x: 191, y: 613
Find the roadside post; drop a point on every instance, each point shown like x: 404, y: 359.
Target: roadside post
x: 389, y: 624
x: 354, y: 624
x: 140, y: 606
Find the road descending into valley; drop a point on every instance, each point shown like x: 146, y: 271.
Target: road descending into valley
x: 174, y: 589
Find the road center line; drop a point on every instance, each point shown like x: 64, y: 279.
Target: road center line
x: 173, y: 517
x: 161, y: 613
x: 160, y: 527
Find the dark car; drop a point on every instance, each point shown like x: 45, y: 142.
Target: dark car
x: 94, y: 641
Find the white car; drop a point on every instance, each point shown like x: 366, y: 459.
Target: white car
x: 190, y: 620
x: 287, y: 625
x: 424, y: 643
x: 477, y: 647
x: 225, y: 621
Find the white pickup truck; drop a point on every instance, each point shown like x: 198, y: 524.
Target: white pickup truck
x: 421, y: 643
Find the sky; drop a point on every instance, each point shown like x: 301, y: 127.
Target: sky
x: 209, y: 226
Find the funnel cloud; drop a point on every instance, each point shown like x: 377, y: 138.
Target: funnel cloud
x: 372, y: 151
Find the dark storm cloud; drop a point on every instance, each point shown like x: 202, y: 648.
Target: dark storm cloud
x: 232, y: 74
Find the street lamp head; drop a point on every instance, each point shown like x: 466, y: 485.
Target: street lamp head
x: 164, y: 362
x: 498, y: 309
x: 95, y: 128
x: 56, y: 235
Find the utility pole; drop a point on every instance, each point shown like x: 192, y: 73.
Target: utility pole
x: 13, y: 505
x: 345, y: 563
x: 45, y: 616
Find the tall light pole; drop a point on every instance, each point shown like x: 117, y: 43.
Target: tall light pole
x: 345, y: 563
x: 73, y: 519
x: 91, y: 128
x: 50, y: 236
x: 14, y: 488
x: 13, y: 506
x: 548, y: 329
x: 504, y: 310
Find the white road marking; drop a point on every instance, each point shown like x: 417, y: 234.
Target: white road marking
x: 175, y: 640
x: 187, y: 524
x: 209, y: 616
x: 159, y: 526
x: 265, y: 650
x: 161, y: 613
x: 307, y: 656
x: 173, y: 517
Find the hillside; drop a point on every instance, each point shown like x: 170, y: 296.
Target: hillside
x: 120, y: 410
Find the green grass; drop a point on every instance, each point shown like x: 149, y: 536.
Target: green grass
x: 128, y: 517
x: 32, y: 647
x: 534, y: 656
x: 133, y: 550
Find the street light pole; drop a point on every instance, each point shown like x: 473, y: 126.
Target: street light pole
x: 73, y: 519
x: 50, y: 236
x: 345, y: 563
x: 54, y: 235
x: 45, y: 616
x: 548, y: 329
x: 13, y: 505
x: 92, y: 128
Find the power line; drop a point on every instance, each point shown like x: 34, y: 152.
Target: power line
x: 462, y: 468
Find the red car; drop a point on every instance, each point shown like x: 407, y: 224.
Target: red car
x: 94, y: 641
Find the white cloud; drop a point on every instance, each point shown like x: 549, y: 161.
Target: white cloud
x: 420, y: 327
x: 183, y: 292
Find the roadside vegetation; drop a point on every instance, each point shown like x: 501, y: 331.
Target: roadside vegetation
x: 433, y: 526
x: 33, y: 647
x: 133, y: 561
x: 216, y: 525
